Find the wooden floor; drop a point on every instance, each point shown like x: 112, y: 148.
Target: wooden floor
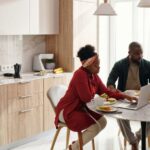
x: 106, y: 140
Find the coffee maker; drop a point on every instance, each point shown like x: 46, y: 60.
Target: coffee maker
x: 39, y: 62
x: 17, y: 69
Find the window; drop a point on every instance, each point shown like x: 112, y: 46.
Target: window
x: 115, y: 33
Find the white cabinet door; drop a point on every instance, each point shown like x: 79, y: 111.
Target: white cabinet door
x: 19, y: 17
x: 44, y: 16
x: 14, y: 17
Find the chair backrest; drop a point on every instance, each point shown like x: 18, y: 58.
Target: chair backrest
x: 55, y: 93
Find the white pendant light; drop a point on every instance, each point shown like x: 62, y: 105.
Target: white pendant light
x: 105, y: 9
x: 144, y: 3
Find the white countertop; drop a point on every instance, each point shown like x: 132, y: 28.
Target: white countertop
x: 30, y: 76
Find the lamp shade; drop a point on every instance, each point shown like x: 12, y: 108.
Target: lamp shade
x: 144, y: 3
x: 105, y: 9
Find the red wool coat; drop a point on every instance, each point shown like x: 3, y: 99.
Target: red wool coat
x: 81, y: 90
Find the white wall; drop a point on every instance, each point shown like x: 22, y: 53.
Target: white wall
x: 20, y: 49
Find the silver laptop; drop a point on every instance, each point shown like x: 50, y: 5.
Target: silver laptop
x: 143, y: 99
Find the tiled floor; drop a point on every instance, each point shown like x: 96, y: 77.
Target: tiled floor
x: 106, y: 140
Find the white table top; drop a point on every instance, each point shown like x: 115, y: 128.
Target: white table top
x: 142, y: 114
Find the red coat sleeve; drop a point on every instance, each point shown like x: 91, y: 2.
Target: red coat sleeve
x: 82, y: 86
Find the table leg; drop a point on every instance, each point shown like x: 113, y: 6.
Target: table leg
x: 143, y: 142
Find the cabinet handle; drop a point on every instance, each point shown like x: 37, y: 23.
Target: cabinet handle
x: 22, y: 97
x: 26, y: 110
x: 24, y: 82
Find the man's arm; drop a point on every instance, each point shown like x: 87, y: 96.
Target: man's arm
x: 113, y: 76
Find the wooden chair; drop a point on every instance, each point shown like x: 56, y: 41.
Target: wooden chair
x: 54, y: 94
x: 125, y: 141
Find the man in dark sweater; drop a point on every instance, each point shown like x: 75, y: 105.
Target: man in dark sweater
x: 131, y: 72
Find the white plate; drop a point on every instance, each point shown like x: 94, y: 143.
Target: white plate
x: 110, y: 102
x: 108, y: 111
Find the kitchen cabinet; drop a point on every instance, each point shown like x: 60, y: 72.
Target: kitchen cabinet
x: 29, y: 17
x: 3, y: 115
x: 25, y: 109
x: 49, y: 114
x: 44, y: 16
x: 14, y: 17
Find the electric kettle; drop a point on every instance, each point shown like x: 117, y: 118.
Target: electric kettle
x: 17, y: 69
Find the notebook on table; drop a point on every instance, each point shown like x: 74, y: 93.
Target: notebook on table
x: 143, y: 100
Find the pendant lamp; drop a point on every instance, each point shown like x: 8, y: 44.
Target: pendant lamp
x: 144, y: 3
x: 105, y: 9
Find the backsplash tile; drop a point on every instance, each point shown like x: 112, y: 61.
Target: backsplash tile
x: 21, y: 49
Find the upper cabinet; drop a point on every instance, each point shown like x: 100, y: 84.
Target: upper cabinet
x: 19, y: 17
x: 44, y: 16
x: 14, y: 17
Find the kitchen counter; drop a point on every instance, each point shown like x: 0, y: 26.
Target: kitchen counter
x: 25, y: 77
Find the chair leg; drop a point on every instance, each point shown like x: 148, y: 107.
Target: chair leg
x: 148, y: 138
x: 67, y: 137
x: 55, y: 138
x: 93, y: 144
x: 80, y: 140
x: 125, y: 143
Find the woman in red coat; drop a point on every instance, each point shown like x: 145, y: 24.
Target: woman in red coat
x: 85, y: 83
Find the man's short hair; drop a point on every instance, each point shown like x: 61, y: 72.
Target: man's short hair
x: 134, y: 45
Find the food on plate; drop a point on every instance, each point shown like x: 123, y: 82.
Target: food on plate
x: 137, y: 93
x: 104, y: 95
x: 105, y: 107
x: 108, y: 100
x: 111, y: 99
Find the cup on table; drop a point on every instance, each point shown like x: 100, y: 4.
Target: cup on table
x: 97, y: 101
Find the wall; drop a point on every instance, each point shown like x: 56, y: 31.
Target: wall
x: 78, y: 26
x: 62, y: 45
x: 20, y: 49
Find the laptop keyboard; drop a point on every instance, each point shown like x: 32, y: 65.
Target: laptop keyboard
x: 126, y: 105
x: 132, y: 105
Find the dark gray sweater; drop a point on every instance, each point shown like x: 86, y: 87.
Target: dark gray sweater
x: 120, y: 72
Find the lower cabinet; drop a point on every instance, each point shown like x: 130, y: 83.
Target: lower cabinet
x: 25, y: 123
x: 3, y: 115
x: 25, y: 109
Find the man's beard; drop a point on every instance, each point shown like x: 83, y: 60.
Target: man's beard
x: 136, y: 61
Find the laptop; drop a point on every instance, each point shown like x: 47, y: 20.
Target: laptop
x: 143, y: 100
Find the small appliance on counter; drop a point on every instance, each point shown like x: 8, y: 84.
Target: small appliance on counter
x: 8, y: 75
x: 17, y: 69
x: 43, y: 62
x: 7, y: 70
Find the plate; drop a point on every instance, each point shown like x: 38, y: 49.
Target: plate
x: 112, y: 109
x: 110, y: 102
